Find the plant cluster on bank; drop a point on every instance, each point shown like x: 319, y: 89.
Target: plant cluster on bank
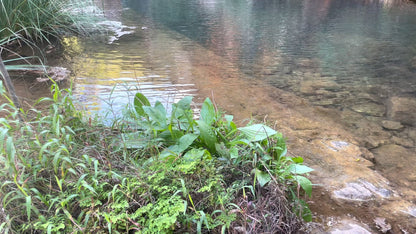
x: 150, y: 172
x: 35, y: 20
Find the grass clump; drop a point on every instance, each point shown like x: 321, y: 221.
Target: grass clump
x: 151, y: 172
x: 38, y: 19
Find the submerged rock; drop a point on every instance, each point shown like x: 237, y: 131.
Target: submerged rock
x: 391, y: 125
x: 354, y: 192
x: 394, y: 161
x: 402, y: 109
x: 370, y: 108
x: 412, y: 134
x: 313, y: 86
x: 360, y: 191
x: 402, y: 141
x: 349, y: 227
x: 372, y: 142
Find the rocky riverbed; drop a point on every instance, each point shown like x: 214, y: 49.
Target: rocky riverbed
x: 363, y: 151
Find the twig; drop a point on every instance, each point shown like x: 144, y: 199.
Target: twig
x: 9, y: 87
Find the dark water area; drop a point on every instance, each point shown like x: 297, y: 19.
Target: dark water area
x: 356, y: 41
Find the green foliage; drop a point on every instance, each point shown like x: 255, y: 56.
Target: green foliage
x: 158, y: 173
x: 38, y: 19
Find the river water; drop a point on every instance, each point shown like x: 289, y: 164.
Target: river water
x: 350, y: 63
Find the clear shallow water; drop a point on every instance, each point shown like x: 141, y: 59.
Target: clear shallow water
x: 348, y: 52
x: 356, y: 41
x: 358, y: 57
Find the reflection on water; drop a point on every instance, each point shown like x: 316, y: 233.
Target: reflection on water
x: 350, y: 55
x: 108, y: 76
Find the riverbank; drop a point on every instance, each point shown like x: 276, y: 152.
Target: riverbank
x: 149, y: 172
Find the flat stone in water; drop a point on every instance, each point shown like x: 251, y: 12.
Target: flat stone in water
x: 370, y: 108
x: 382, y: 192
x: 391, y: 125
x: 395, y: 164
x: 314, y: 86
x: 354, y: 192
x: 402, y: 109
x: 390, y: 156
x: 349, y: 227
x: 339, y: 144
x: 361, y: 191
x: 325, y: 102
x: 402, y: 141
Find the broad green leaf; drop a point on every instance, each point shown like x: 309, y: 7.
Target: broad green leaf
x: 299, y: 169
x: 306, y: 212
x: 305, y: 183
x: 157, y: 113
x: 244, y: 142
x: 195, y: 154
x: 183, y: 143
x: 262, y: 177
x: 139, y: 101
x: 181, y: 109
x: 257, y: 132
x: 207, y: 135
x: 186, y: 141
x: 171, y: 136
x: 208, y: 112
x: 230, y: 124
x: 177, y: 112
x: 185, y: 103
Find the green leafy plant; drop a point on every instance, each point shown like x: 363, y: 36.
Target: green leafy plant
x: 150, y: 172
